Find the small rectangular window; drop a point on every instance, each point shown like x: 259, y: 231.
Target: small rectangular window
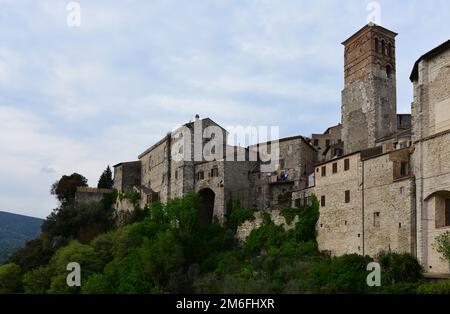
x: 308, y: 201
x: 214, y: 172
x: 347, y: 196
x: 323, y: 201
x: 376, y: 219
x: 403, y: 169
x: 327, y: 143
x: 335, y: 167
x: 447, y: 213
x: 316, y: 142
x: 402, y: 190
x: 324, y: 171
x: 346, y: 164
x: 298, y: 203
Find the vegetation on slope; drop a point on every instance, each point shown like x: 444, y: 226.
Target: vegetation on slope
x: 165, y: 250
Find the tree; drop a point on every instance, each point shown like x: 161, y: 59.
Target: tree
x: 443, y: 245
x: 66, y: 187
x: 106, y: 180
x: 37, y: 280
x: 10, y: 278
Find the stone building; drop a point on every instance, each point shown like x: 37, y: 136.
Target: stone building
x: 271, y: 187
x: 391, y: 189
x: 369, y: 108
x: 431, y: 138
x: 127, y: 175
x: 329, y: 143
x: 87, y: 195
x: 382, y: 178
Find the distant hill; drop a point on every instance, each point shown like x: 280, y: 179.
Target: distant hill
x: 15, y: 231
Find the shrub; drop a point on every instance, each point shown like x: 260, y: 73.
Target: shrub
x: 237, y: 216
x: 37, y: 281
x: 399, y: 268
x: 442, y: 245
x: 439, y: 287
x: 344, y: 274
x: 10, y: 278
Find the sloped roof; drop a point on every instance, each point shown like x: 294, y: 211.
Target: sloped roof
x: 434, y: 52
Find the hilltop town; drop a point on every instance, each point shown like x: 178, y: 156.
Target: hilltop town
x: 382, y: 178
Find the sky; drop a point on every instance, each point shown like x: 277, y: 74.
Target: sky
x: 76, y: 98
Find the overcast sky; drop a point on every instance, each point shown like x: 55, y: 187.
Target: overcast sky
x: 75, y: 99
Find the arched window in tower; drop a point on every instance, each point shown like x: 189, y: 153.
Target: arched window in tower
x: 388, y: 71
x: 383, y: 47
x: 377, y: 49
x: 390, y: 50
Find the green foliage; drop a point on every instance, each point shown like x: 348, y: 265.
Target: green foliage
x: 167, y: 251
x: 443, y: 245
x: 35, y: 253
x: 38, y: 280
x: 84, y: 255
x: 10, y: 278
x: 131, y: 195
x: 83, y: 221
x: 438, y: 287
x: 344, y: 274
x: 305, y: 229
x: 399, y: 268
x: 65, y: 188
x: 238, y: 215
x: 106, y: 180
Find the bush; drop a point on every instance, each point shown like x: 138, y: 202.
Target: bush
x: 443, y: 245
x: 10, y: 278
x: 345, y: 274
x: 439, y: 287
x: 399, y: 268
x: 37, y: 281
x: 237, y: 216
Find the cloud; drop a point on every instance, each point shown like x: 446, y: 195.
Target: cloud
x: 77, y: 99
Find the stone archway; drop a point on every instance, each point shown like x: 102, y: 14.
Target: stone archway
x: 206, y: 210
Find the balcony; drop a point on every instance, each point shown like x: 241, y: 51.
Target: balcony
x: 280, y: 179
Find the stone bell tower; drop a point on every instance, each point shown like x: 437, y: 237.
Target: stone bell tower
x: 369, y: 99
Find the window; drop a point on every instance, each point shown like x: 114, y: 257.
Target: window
x: 316, y: 142
x: 335, y: 167
x: 327, y: 143
x: 176, y: 174
x: 403, y: 169
x: 322, y: 201
x: 388, y: 71
x: 402, y: 190
x: 282, y: 163
x: 390, y: 50
x: 347, y: 197
x: 308, y: 201
x: 376, y: 219
x: 347, y: 164
x: 383, y: 47
x: 214, y: 172
x: 200, y: 175
x: 324, y: 171
x: 447, y: 212
x: 377, y: 49
x: 298, y: 203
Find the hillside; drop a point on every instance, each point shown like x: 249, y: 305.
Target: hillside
x: 15, y: 231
